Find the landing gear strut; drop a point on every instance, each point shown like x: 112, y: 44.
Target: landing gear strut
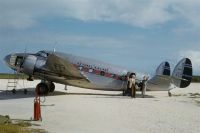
x: 30, y: 78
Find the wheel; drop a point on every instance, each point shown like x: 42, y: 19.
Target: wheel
x: 169, y: 94
x: 42, y: 89
x: 124, y: 93
x: 51, y: 87
x: 25, y: 91
x: 13, y: 91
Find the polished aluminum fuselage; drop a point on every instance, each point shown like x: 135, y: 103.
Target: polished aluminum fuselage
x: 90, y: 69
x: 94, y: 74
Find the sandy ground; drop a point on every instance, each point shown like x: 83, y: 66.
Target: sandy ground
x: 88, y: 111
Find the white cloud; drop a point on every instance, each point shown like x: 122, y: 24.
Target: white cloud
x: 48, y: 38
x: 142, y: 13
x: 188, y: 10
x: 194, y: 55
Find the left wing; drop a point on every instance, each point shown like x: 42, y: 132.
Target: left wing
x: 62, y: 67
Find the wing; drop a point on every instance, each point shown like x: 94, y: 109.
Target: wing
x: 62, y: 67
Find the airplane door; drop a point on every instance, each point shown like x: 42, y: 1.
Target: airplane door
x: 13, y: 60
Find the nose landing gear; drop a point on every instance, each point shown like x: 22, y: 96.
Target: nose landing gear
x: 51, y: 87
x: 44, y: 88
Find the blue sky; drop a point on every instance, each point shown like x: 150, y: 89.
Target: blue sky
x: 136, y: 34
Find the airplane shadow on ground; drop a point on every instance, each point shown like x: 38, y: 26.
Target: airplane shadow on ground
x: 127, y: 97
x: 6, y: 95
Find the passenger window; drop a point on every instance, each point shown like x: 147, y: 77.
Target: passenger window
x: 90, y: 70
x: 102, y: 73
x: 113, y: 76
x: 80, y: 68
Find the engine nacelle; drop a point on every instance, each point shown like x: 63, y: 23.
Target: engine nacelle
x: 29, y: 64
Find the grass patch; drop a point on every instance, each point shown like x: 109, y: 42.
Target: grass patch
x: 23, y: 124
x: 17, y: 126
x: 21, y: 127
x: 12, y: 128
x: 196, y: 79
x: 12, y: 76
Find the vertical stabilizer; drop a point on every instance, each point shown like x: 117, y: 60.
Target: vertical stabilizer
x: 161, y: 80
x: 163, y: 69
x: 182, y: 74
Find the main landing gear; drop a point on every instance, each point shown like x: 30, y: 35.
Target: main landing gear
x: 44, y: 88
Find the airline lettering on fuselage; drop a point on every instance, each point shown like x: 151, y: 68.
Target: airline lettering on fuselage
x: 97, y: 70
x: 92, y: 67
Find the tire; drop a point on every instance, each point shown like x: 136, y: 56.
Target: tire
x: 25, y: 91
x: 123, y: 93
x: 42, y: 89
x: 13, y: 91
x: 51, y: 87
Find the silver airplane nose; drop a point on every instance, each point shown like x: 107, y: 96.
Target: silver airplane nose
x: 7, y: 59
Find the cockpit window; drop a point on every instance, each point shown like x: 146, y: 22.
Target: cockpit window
x: 19, y: 61
x: 42, y: 54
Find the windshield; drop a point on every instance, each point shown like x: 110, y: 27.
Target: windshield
x: 42, y: 54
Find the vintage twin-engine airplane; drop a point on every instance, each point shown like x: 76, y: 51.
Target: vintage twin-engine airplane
x: 51, y: 66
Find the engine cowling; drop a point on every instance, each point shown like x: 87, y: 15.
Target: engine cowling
x: 29, y: 64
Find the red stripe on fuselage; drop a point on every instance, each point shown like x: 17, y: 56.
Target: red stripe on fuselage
x: 98, y: 72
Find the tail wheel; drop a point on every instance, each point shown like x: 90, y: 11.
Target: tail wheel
x: 52, y: 87
x: 123, y: 93
x: 42, y: 89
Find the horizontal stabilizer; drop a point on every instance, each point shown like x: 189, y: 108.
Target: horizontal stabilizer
x: 182, y: 74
